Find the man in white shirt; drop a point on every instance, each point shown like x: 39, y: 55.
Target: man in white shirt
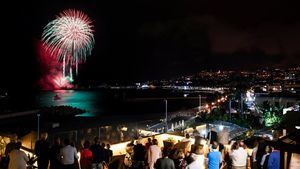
x: 154, y: 153
x: 68, y: 155
x: 17, y: 158
x: 239, y: 157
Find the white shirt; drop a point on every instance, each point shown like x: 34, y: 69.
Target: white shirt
x: 154, y: 153
x: 239, y: 157
x: 254, y: 151
x: 263, y: 159
x: 17, y: 159
x: 68, y: 154
x: 198, y: 162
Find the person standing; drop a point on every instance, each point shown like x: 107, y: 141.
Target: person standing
x: 11, y: 145
x: 254, y: 152
x: 148, y: 144
x: 154, y: 153
x: 265, y: 158
x: 86, y: 156
x: 179, y: 159
x: 274, y: 159
x: 198, y: 158
x: 165, y: 162
x: 260, y: 152
x: 68, y: 155
x: 42, y: 148
x: 98, y: 154
x: 108, y: 154
x: 139, y: 155
x: 214, y: 157
x: 239, y: 156
x: 17, y: 158
x: 54, y: 154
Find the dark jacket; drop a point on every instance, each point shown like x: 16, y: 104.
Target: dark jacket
x: 164, y: 163
x: 139, y: 152
x: 98, y: 153
x: 41, y: 149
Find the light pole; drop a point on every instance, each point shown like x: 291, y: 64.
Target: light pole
x: 166, y: 102
x: 199, y: 103
x: 242, y: 108
x: 38, y: 127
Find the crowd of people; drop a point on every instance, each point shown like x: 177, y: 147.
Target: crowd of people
x: 213, y: 152
x: 59, y: 156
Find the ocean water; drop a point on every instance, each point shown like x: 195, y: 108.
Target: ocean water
x: 118, y: 102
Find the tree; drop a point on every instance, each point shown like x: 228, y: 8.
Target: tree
x: 271, y: 114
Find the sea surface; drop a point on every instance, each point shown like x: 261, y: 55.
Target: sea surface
x: 100, y: 102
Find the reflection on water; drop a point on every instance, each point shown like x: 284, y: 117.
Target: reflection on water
x: 85, y: 100
x: 117, y: 102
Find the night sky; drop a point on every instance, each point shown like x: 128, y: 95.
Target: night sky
x: 154, y: 39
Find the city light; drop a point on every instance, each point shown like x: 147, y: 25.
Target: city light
x: 221, y: 127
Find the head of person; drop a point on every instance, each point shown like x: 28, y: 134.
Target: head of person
x: 149, y: 140
x: 96, y: 140
x: 44, y: 135
x: 199, y: 149
x: 242, y: 144
x: 187, y: 136
x: 267, y: 149
x: 86, y: 144
x: 138, y: 141
x: 179, y: 154
x: 18, y: 145
x: 67, y: 142
x: 155, y: 142
x: 108, y: 146
x: 213, y: 129
x: 166, y: 152
x: 72, y: 143
x: 235, y: 146
x: 103, y: 145
x: 57, y: 141
x: 215, y: 145
x: 14, y: 138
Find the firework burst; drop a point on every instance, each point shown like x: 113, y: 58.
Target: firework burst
x: 70, y: 38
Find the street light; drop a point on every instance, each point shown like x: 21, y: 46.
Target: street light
x: 199, y: 102
x: 242, y: 108
x: 38, y: 127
